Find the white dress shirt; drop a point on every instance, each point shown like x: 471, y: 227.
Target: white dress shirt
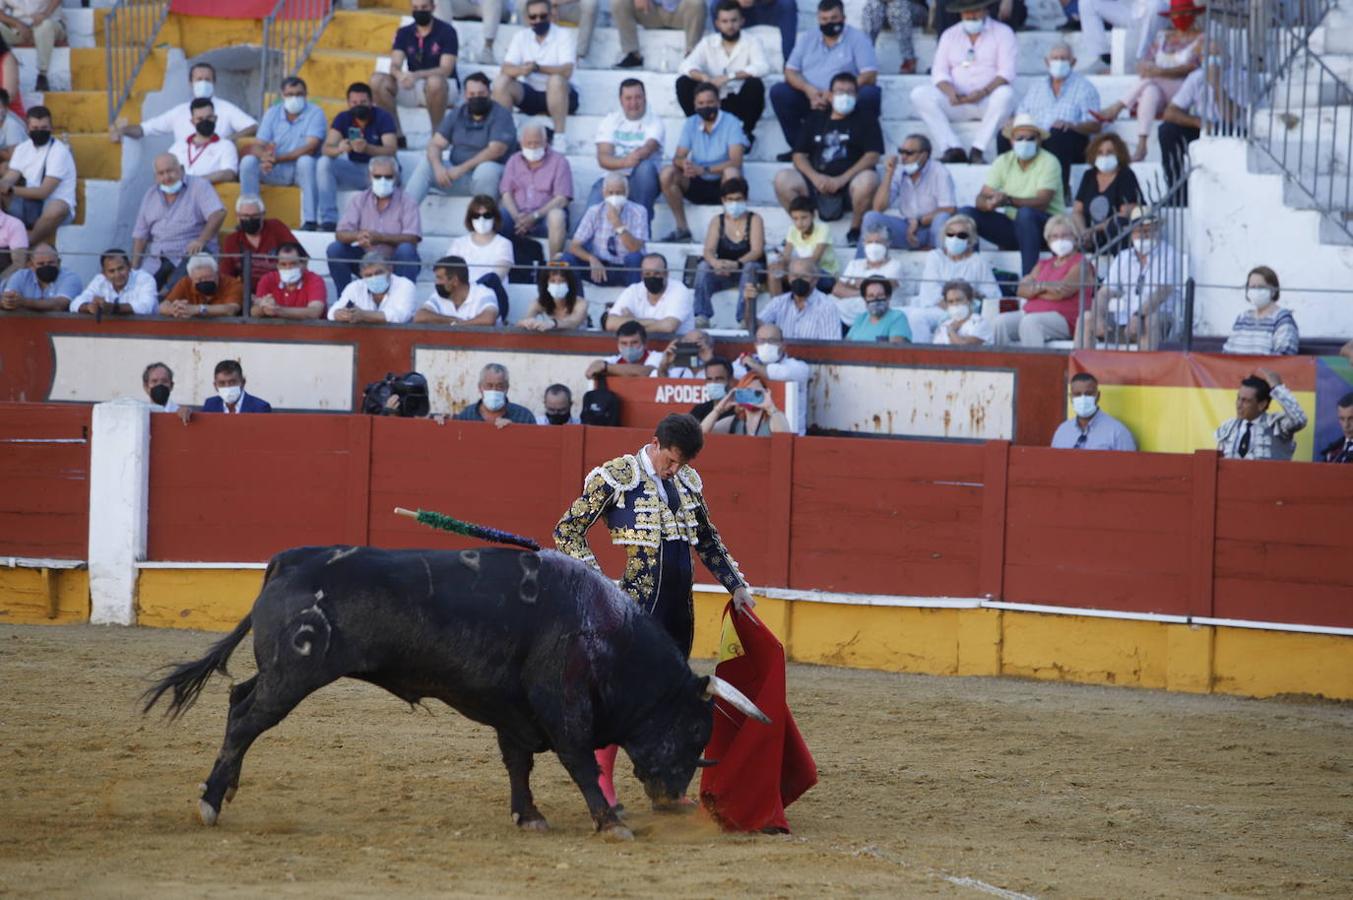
x: 559, y: 48
x: 397, y: 305
x: 138, y: 293
x: 215, y: 156
x: 710, y: 58
x: 676, y: 302
x: 479, y: 299
x: 178, y: 121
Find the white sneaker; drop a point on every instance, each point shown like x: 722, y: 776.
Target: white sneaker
x: 485, y: 57
x: 560, y: 144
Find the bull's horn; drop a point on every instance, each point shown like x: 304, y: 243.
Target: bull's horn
x: 703, y: 763
x: 735, y: 698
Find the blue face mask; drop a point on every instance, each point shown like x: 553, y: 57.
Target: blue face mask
x: 715, y: 390
x: 377, y: 284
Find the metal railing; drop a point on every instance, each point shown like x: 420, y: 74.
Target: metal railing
x: 129, y: 33
x: 289, y: 34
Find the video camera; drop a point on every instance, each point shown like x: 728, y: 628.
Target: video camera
x: 405, y: 396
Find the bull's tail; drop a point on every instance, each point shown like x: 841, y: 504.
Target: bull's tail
x: 188, y: 679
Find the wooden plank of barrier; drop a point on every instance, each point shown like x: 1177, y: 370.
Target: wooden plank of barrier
x: 358, y: 482
x: 1203, y: 533
x: 44, y: 452
x: 779, y: 512
x: 995, y: 472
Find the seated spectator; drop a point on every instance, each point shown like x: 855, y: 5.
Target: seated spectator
x: 203, y: 153
x: 557, y: 305
x: 457, y: 299
x: 383, y: 220
x: 1054, y: 293
x: 158, y: 382
x: 228, y: 379
x: 633, y: 359
x: 13, y: 245
x: 231, y: 121
x: 759, y: 419
x: 834, y: 159
x: 945, y: 14
x: 1208, y: 96
x: 40, y: 183
x: 379, y: 297
x: 535, y: 73
x: 35, y: 22
x: 476, y: 139
x: 12, y: 130
x: 734, y: 63
x: 357, y: 135
x: 1064, y: 105
x: 629, y: 143
x: 204, y: 292
x: 1022, y: 191
x: 956, y: 259
x: 558, y: 405
x: 1265, y: 329
x: 291, y: 291
x: 807, y: 239
x: 537, y: 186
x: 900, y: 15
x: 42, y: 286
x: 658, y: 303
x: 493, y: 405
x: 876, y: 264
x: 609, y: 242
x: 257, y: 237
x: 804, y: 313
x: 678, y: 15
x: 781, y: 14
x: 1175, y: 53
x: 708, y: 153
x: 734, y: 251
x: 1341, y: 450
x: 1256, y: 433
x: 771, y: 363
x: 119, y: 289
x: 877, y: 322
x: 1135, y: 301
x: 287, y: 150
x: 1108, y: 193
x: 972, y: 77
x: 178, y: 218
x: 697, y: 337
x: 963, y: 324
x: 815, y: 62
x: 488, y: 254
x: 718, y: 374
x: 422, y: 66
x: 920, y: 189
x: 1090, y: 428
x: 1096, y: 16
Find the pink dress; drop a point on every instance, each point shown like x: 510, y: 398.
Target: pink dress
x: 1150, y: 96
x: 1068, y: 269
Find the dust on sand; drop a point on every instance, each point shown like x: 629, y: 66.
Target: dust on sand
x: 928, y: 786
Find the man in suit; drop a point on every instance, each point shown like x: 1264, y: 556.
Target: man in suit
x: 230, y: 396
x: 1341, y: 451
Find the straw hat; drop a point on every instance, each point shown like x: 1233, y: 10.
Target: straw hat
x: 1023, y: 120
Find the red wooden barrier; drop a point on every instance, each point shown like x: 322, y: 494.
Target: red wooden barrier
x: 44, y: 506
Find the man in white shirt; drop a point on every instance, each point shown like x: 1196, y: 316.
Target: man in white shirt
x: 534, y: 76
x: 379, y: 297
x: 456, y: 300
x: 657, y: 302
x: 632, y: 358
x: 119, y: 290
x: 769, y: 363
x: 231, y: 121
x: 630, y: 142
x: 204, y: 153
x: 733, y: 62
x: 36, y: 22
x: 46, y: 199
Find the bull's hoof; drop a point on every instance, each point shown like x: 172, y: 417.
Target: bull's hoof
x: 207, y: 813
x: 616, y: 833
x: 535, y: 823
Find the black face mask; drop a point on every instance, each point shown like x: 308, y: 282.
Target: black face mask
x: 801, y: 287
x: 833, y: 29
x: 361, y: 112
x: 251, y: 226
x: 422, y: 17
x: 443, y: 291
x: 40, y: 136
x: 734, y: 37
x: 159, y: 395
x: 708, y: 113
x: 47, y: 274
x: 655, y: 284
x: 206, y: 128
x: 479, y: 106
x: 206, y: 287
x: 541, y: 28
x: 557, y: 418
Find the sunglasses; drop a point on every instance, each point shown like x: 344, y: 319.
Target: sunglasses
x: 543, y: 18
x: 959, y: 234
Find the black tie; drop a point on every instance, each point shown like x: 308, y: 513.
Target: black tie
x: 673, y: 502
x: 1244, y: 447
x: 1347, y: 455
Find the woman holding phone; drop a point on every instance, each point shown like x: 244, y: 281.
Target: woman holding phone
x: 754, y: 411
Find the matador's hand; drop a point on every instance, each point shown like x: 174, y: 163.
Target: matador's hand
x: 742, y: 601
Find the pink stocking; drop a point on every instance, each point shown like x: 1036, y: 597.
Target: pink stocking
x: 606, y: 781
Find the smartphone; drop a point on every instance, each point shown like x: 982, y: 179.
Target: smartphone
x: 354, y: 133
x: 686, y: 355
x: 749, y: 396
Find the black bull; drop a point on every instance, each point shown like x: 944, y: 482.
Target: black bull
x: 538, y: 646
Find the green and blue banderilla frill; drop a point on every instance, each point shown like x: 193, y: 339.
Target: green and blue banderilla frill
x: 443, y: 522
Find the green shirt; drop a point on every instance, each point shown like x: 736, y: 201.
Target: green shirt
x: 1043, y: 174
x: 893, y: 324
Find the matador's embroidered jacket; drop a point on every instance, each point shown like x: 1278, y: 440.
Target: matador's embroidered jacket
x: 639, y: 520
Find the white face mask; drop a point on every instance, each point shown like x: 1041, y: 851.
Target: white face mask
x: 293, y: 105
x: 557, y: 289
x: 616, y: 200
x: 1025, y: 149
x: 1107, y: 163
x: 768, y: 353
x: 1059, y: 68
x: 229, y: 395
x: 202, y: 90
x: 289, y: 276
x: 481, y: 224
x: 533, y: 154
x: 382, y: 186
x: 875, y: 252
x: 973, y: 26
x: 843, y: 104
x: 1084, y: 405
x: 172, y: 188
x: 911, y: 168
x: 955, y: 246
x: 735, y: 208
x: 1259, y: 297
x: 959, y: 311
x: 494, y: 400
x: 1061, y: 247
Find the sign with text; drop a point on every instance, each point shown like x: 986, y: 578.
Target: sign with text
x: 645, y: 401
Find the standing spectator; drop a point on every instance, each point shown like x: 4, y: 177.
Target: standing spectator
x: 1108, y: 193
x: 1055, y: 292
x: 379, y: 297
x: 287, y: 149
x: 734, y: 63
x: 781, y: 14
x: 13, y: 245
x: 231, y: 398
x: 383, y: 220
x: 834, y: 159
x: 422, y: 67
x: 658, y: 303
x: 493, y: 405
x: 807, y: 239
x: 535, y: 73
x: 609, y: 241
x: 972, y: 77
x: 875, y: 264
x: 231, y: 121
x: 357, y: 135
x: 178, y: 217
x: 877, y: 322
x: 1265, y: 329
x: 734, y: 251
x: 709, y: 152
x: 1022, y: 191
x: 488, y: 254
x: 816, y: 60
x: 956, y: 259
x: 900, y: 15
x: 629, y: 142
x: 1090, y: 428
x: 1341, y: 451
x: 1256, y: 433
x: 43, y: 286
x: 291, y: 291
x: 203, y: 153
x: 257, y: 237
x: 537, y: 186
x: 1136, y: 299
x: 920, y: 189
x: 119, y: 289
x: 558, y: 406
x: 557, y: 305
x: 457, y: 299
x: 479, y: 136
x: 1209, y: 96
x: 804, y: 313
x: 633, y: 359
x: 962, y: 325
x: 680, y: 15
x: 203, y: 293
x: 771, y: 363
x: 1064, y: 106
x: 46, y: 199
x: 157, y: 380
x: 36, y: 22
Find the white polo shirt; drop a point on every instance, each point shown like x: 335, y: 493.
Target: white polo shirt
x: 677, y: 302
x: 479, y: 299
x: 217, y: 155
x: 559, y: 48
x: 52, y: 161
x: 178, y: 121
x: 398, y: 305
x: 627, y: 135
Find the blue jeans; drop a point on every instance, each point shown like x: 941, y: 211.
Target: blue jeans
x: 345, y: 259
x: 483, y: 179
x: 300, y: 173
x: 792, y: 107
x: 708, y: 282
x: 1023, y: 233
x: 896, y: 226
x: 616, y: 276
x: 644, y: 187
x: 330, y: 172
x: 783, y: 14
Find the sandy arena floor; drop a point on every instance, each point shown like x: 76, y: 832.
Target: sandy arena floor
x: 965, y: 787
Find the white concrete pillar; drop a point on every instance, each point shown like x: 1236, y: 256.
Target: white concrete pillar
x: 119, y: 492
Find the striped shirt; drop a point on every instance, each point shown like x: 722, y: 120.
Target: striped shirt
x: 1072, y: 105
x: 817, y: 321
x: 596, y: 229
x: 171, y: 227
x: 1256, y: 335
x: 1271, y: 434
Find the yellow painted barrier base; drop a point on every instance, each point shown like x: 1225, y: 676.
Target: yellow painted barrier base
x: 27, y: 597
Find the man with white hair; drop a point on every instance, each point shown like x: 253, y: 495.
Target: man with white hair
x: 381, y: 220
x: 608, y: 245
x: 204, y: 292
x: 770, y: 363
x: 179, y: 217
x: 379, y: 297
x: 1063, y: 105
x: 493, y: 405
x: 257, y: 238
x: 537, y: 186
